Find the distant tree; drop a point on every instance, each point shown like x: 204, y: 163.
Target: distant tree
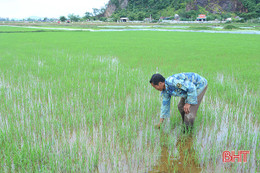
x: 250, y: 5
x: 202, y: 10
x: 247, y: 16
x: 132, y: 16
x: 156, y: 16
x: 141, y: 16
x: 103, y: 19
x: 158, y: 8
x: 115, y: 17
x: 122, y: 13
x: 63, y: 18
x: 169, y: 11
x: 102, y: 11
x: 226, y: 15
x: 73, y: 17
x: 88, y: 15
x: 213, y: 17
x: 191, y: 15
x: 96, y: 11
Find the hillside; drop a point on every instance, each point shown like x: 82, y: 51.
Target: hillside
x: 187, y: 9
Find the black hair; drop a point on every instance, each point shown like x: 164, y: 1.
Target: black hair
x: 156, y: 78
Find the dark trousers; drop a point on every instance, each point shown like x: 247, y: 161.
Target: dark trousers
x: 189, y: 118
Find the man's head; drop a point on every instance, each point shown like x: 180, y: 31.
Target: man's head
x: 158, y: 81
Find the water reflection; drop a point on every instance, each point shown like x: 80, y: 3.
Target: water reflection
x: 184, y: 162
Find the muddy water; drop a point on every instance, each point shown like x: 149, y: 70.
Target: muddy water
x: 183, y: 163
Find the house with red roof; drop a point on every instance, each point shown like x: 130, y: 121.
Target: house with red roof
x: 201, y: 17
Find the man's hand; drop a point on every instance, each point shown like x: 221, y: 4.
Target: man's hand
x: 186, y: 108
x: 157, y: 126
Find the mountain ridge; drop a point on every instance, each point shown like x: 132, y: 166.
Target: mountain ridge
x: 157, y: 8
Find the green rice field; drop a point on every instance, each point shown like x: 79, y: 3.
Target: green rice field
x: 80, y: 101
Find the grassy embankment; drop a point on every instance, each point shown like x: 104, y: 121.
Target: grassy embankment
x: 81, y: 101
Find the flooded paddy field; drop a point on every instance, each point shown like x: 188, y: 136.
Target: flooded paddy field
x: 81, y: 101
x: 112, y: 28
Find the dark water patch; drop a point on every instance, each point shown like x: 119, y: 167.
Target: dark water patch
x: 185, y: 162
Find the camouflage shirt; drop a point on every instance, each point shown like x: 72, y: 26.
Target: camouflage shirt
x: 186, y: 85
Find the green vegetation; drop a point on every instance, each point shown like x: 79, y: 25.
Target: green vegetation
x: 201, y: 28
x: 63, y: 18
x: 73, y: 17
x: 15, y: 29
x: 82, y: 102
x: 230, y: 27
x: 188, y: 10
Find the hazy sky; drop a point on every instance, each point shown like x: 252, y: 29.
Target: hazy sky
x: 47, y: 8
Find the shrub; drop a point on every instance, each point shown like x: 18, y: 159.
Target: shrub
x: 154, y: 21
x: 230, y: 27
x: 228, y: 21
x: 103, y: 19
x: 256, y: 20
x: 200, y: 28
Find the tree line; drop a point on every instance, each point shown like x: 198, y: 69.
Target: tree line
x: 140, y: 9
x: 97, y: 14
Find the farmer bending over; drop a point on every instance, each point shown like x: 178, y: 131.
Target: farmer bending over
x: 191, y: 87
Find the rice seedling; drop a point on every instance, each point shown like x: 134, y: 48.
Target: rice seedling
x: 82, y: 102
